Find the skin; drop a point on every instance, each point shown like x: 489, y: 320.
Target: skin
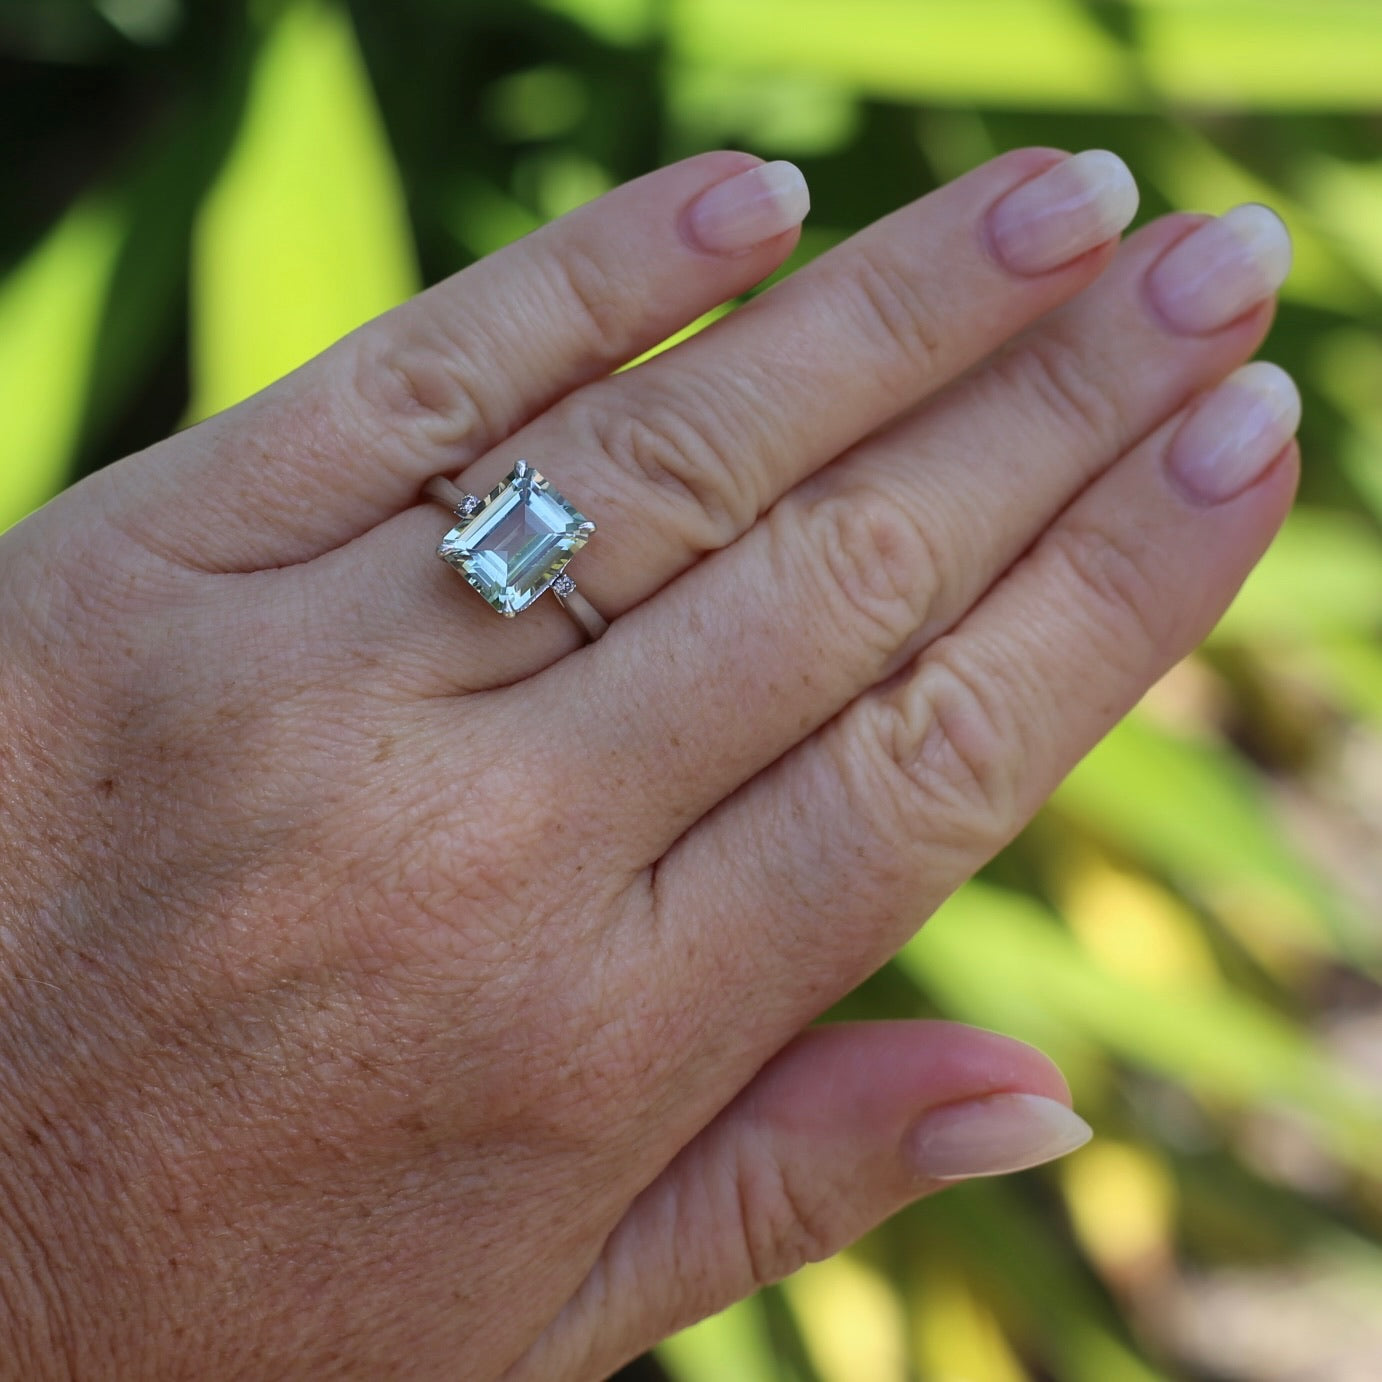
x: 392, y: 990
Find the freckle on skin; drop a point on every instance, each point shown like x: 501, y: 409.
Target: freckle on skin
x: 106, y: 786
x: 384, y: 749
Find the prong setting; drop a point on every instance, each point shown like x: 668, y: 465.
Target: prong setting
x: 514, y: 543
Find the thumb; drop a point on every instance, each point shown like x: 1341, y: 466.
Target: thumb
x: 845, y: 1126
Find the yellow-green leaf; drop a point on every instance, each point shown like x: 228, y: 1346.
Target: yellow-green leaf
x: 992, y: 956
x: 1051, y: 52
x: 1277, y: 54
x: 733, y: 1344
x: 50, y: 318
x: 1322, y: 576
x: 1194, y: 810
x: 305, y: 234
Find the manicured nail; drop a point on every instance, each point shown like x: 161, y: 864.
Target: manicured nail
x: 1062, y: 213
x: 752, y: 206
x: 1235, y: 432
x: 1221, y: 270
x: 993, y: 1135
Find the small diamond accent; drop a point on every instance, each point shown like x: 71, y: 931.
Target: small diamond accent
x: 468, y: 505
x: 563, y: 585
x: 515, y: 541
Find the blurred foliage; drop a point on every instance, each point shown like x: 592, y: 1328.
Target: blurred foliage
x: 202, y: 194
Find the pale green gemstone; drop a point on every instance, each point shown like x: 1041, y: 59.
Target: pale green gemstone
x: 517, y: 542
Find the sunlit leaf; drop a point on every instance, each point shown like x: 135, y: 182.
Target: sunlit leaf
x: 616, y: 21
x: 305, y: 235
x: 955, y: 1333
x: 1347, y: 196
x: 1321, y: 577
x: 1352, y: 669
x: 1220, y: 52
x: 1051, y: 52
x: 851, y: 1321
x: 50, y: 317
x: 993, y: 956
x: 733, y: 1344
x: 1122, y: 1202
x: 1277, y: 54
x: 1044, y: 1298
x: 1135, y: 927
x: 1193, y: 811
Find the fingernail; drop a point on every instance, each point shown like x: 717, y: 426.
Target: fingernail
x: 1221, y: 270
x: 752, y: 206
x: 993, y: 1135
x: 1067, y: 210
x: 1235, y: 433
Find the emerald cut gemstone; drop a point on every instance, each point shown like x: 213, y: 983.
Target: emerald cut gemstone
x: 516, y: 542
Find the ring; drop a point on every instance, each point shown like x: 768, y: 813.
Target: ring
x: 515, y: 542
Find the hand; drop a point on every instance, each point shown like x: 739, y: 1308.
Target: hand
x: 391, y: 989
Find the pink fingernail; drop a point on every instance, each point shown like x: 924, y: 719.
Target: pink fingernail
x: 752, y: 206
x: 1064, y: 212
x: 992, y: 1136
x: 1235, y: 433
x: 1222, y: 269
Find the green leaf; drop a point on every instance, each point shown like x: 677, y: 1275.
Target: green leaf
x: 50, y: 317
x: 1051, y: 54
x: 1048, y: 1303
x: 733, y: 1344
x: 615, y: 21
x: 1000, y: 959
x: 305, y: 234
x: 1277, y: 54
x: 1321, y: 577
x: 1351, y: 670
x: 1194, y: 811
x: 1347, y: 197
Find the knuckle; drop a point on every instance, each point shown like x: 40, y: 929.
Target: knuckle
x: 590, y: 294
x: 1113, y: 586
x: 880, y: 565
x: 408, y: 385
x: 784, y: 1224
x: 897, y: 313
x: 1057, y: 372
x: 951, y: 753
x: 678, y: 443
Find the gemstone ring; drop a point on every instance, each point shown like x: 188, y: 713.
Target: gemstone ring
x: 515, y: 542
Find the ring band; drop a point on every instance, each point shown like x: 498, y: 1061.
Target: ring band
x: 515, y: 542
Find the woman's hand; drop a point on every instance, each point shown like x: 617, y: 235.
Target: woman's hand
x: 391, y: 989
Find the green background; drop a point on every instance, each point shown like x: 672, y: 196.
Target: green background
x: 200, y: 195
